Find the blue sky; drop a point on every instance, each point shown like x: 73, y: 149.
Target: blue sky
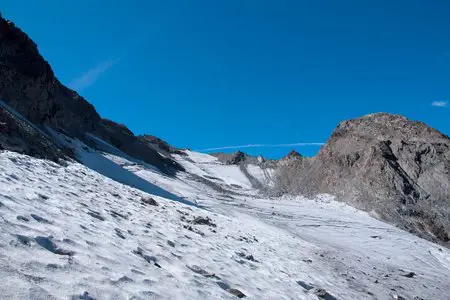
x: 211, y: 74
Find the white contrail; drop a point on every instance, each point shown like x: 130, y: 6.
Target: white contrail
x: 91, y: 75
x: 261, y: 146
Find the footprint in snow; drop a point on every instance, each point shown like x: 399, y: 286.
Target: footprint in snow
x: 123, y: 279
x: 40, y: 219
x: 247, y: 257
x: 230, y: 290
x: 137, y: 272
x: 84, y: 296
x: 119, y: 233
x: 22, y: 218
x: 24, y: 239
x: 198, y: 270
x: 117, y: 215
x: 319, y: 292
x: 148, y: 258
x: 236, y: 293
x: 223, y: 285
x: 409, y: 275
x: 96, y: 215
x: 48, y: 244
x: 43, y: 197
x: 304, y: 285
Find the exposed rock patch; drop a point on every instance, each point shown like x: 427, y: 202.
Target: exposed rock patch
x: 20, y: 136
x: 159, y: 145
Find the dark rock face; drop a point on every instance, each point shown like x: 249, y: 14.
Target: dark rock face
x: 159, y: 145
x: 242, y: 159
x: 28, y: 85
x: 233, y: 158
x: 123, y: 139
x: 388, y: 165
x: 20, y: 136
x: 292, y: 155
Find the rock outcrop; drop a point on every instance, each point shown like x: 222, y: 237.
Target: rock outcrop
x: 123, y: 139
x: 19, y: 135
x: 234, y: 158
x: 393, y: 167
x: 29, y: 85
x: 292, y: 155
x: 159, y: 145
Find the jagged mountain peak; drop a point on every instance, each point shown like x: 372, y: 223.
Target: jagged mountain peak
x: 292, y: 155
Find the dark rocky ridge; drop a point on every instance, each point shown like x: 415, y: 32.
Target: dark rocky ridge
x: 18, y: 135
x: 159, y: 145
x: 292, y: 155
x: 234, y: 158
x: 28, y: 84
x: 385, y: 164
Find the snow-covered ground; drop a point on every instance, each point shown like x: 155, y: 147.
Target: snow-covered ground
x: 69, y: 232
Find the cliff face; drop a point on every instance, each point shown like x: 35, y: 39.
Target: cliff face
x: 28, y: 85
x: 386, y: 164
x: 19, y: 135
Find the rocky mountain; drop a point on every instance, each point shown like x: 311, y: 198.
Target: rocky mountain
x: 29, y: 85
x: 393, y: 167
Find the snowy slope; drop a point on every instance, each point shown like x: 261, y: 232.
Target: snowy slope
x: 263, y: 175
x: 67, y: 230
x: 204, y: 164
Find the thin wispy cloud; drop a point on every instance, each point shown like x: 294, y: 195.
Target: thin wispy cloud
x: 261, y: 146
x: 439, y: 103
x: 90, y: 76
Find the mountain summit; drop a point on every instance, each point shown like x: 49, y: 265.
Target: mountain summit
x: 386, y: 164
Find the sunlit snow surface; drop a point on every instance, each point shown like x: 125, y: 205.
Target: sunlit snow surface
x: 68, y: 232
